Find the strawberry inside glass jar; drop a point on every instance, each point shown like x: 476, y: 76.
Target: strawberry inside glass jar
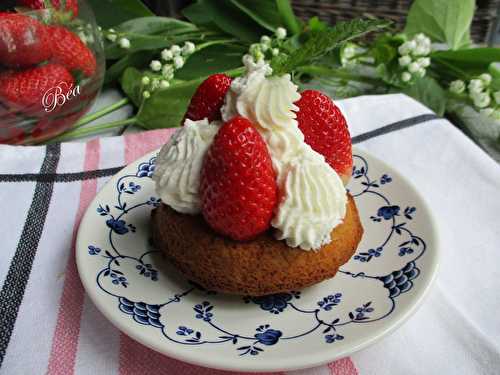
x: 51, y: 68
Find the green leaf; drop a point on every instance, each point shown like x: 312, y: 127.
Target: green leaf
x: 287, y: 16
x: 138, y: 59
x: 197, y: 14
x: 472, y: 61
x: 428, y: 92
x: 228, y: 18
x: 445, y: 21
x: 321, y: 42
x: 132, y: 86
x: 110, y: 13
x: 155, y: 25
x: 166, y: 108
x: 211, y: 60
x: 383, y: 53
x: 264, y: 12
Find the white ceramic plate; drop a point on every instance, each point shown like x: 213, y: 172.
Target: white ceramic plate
x: 143, y: 296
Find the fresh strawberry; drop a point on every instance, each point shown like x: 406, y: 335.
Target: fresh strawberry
x: 23, y: 41
x: 325, y: 130
x: 238, y: 185
x: 208, y: 98
x: 70, y: 51
x: 25, y: 90
x: 71, y: 5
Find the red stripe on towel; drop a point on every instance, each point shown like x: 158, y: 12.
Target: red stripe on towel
x: 137, y: 145
x: 344, y: 366
x: 136, y: 359
x: 65, y: 341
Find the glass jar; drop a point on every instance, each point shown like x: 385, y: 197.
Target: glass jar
x: 52, y: 67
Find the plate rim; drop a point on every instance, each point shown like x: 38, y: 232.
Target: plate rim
x: 286, y: 364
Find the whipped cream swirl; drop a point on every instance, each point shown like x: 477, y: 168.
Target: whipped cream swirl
x: 314, y: 202
x: 313, y: 198
x: 178, y: 165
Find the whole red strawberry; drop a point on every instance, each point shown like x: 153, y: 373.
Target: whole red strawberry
x: 325, y: 130
x: 238, y: 185
x: 71, y: 5
x: 25, y: 90
x: 23, y: 41
x: 208, y: 98
x: 70, y: 51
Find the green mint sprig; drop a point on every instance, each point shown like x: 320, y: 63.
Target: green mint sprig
x: 322, y: 42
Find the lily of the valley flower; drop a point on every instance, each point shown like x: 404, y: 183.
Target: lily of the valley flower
x: 178, y: 62
x: 176, y: 50
x: 457, y: 87
x: 478, y: 90
x: 414, y: 57
x: 405, y: 76
x: 482, y: 99
x: 124, y: 43
x: 155, y: 65
x: 188, y: 48
x: 281, y: 33
x: 167, y: 54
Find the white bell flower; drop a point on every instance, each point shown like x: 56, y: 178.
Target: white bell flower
x: 155, y: 65
x: 457, y: 86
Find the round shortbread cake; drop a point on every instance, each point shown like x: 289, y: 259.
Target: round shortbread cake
x: 261, y: 266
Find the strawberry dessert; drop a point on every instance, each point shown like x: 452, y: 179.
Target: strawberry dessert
x: 252, y: 186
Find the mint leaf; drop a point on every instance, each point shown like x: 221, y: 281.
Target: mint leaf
x: 321, y: 42
x: 315, y: 24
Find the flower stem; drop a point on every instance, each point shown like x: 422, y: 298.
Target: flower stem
x: 78, y: 133
x: 213, y: 42
x: 102, y: 112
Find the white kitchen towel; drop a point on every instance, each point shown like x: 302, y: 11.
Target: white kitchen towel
x: 48, y: 324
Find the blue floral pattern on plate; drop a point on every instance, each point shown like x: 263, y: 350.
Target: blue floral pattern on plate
x: 148, y: 291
